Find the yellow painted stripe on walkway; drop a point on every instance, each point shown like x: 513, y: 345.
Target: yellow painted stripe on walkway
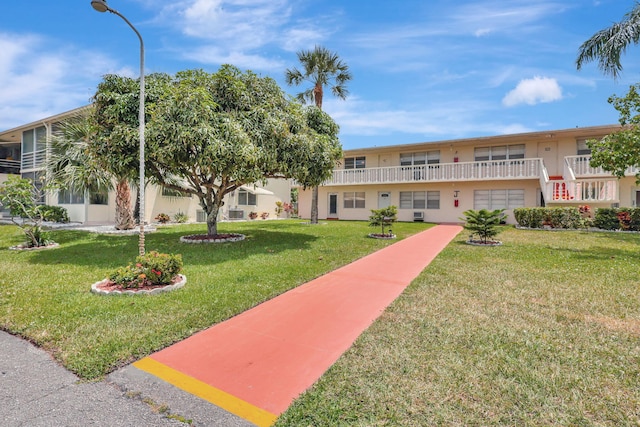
x: 220, y: 398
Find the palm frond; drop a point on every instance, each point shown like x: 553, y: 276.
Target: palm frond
x: 607, y: 45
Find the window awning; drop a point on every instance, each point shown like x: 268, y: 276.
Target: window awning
x: 256, y: 190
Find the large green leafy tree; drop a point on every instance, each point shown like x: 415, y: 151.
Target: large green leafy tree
x: 115, y: 146
x: 320, y: 67
x: 620, y: 150
x: 210, y: 133
x: 608, y: 45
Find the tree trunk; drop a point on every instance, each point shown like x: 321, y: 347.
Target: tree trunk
x: 314, y: 205
x: 212, y: 219
x: 124, y: 218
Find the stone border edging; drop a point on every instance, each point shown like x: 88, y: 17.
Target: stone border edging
x: 167, y: 288
x: 34, y: 248
x: 376, y: 236
x: 233, y: 238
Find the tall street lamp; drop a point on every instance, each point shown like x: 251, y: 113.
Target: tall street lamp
x: 101, y: 6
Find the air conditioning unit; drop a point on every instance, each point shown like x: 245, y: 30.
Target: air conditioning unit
x: 418, y: 216
x: 236, y: 214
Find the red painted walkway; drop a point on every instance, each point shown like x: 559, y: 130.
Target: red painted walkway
x: 255, y: 364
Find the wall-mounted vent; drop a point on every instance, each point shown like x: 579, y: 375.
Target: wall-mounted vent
x: 418, y: 216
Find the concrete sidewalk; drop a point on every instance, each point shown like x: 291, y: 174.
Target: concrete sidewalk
x: 242, y: 372
x: 37, y: 392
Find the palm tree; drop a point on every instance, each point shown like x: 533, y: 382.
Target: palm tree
x: 320, y: 67
x: 609, y: 44
x: 72, y: 164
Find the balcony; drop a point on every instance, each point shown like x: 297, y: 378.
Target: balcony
x: 580, y: 166
x: 9, y: 166
x: 582, y: 191
x: 441, y: 172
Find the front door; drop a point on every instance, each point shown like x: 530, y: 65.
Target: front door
x: 333, y: 205
x: 384, y: 199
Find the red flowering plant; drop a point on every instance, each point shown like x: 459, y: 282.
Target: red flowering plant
x: 585, y: 210
x: 152, y: 268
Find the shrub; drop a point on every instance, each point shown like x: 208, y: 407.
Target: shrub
x: 568, y: 217
x: 162, y: 218
x: 19, y: 195
x: 483, y: 223
x: 635, y: 219
x: 152, y: 268
x: 383, y: 217
x: 624, y: 219
x: 181, y: 218
x: 565, y: 217
x: 606, y: 219
x: 253, y: 215
x: 53, y: 213
x: 264, y: 215
x: 530, y: 217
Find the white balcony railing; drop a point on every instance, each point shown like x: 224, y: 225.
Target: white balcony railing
x: 10, y: 166
x: 465, y: 171
x: 582, y: 191
x: 34, y: 159
x: 580, y: 165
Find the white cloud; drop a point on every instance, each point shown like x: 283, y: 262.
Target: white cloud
x: 534, y: 91
x: 39, y: 78
x: 244, y: 24
x: 482, y: 17
x: 215, y: 55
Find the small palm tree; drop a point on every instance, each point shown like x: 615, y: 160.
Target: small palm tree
x: 72, y: 164
x: 321, y: 67
x: 609, y: 44
x: 383, y: 218
x: 483, y: 223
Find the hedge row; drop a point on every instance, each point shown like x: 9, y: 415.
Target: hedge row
x: 569, y: 217
x: 627, y: 219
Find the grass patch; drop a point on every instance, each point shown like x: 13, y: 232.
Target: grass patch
x: 45, y: 295
x: 544, y: 330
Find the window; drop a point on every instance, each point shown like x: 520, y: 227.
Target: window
x: 34, y: 139
x: 498, y: 199
x: 355, y: 162
x: 170, y: 192
x: 37, y: 179
x: 433, y: 200
x: 500, y: 152
x: 246, y: 198
x: 433, y: 157
x: 100, y: 198
x: 583, y: 149
x: 416, y: 199
x: 70, y: 197
x: 28, y: 141
x: 354, y: 199
x: 413, y: 159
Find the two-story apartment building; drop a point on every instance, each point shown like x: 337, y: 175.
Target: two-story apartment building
x: 23, y: 151
x: 438, y: 181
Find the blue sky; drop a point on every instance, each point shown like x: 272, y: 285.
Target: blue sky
x: 422, y: 70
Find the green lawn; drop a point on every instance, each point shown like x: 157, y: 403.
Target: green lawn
x: 45, y: 295
x: 544, y: 330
